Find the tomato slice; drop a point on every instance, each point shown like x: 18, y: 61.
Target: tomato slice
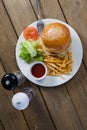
x: 30, y: 33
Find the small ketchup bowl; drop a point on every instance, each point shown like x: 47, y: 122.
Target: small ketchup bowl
x: 38, y: 70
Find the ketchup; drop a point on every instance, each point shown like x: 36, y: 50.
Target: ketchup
x: 38, y: 70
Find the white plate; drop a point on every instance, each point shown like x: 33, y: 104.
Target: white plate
x: 52, y: 81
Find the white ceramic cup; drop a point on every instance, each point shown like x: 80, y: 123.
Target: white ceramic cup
x: 39, y: 71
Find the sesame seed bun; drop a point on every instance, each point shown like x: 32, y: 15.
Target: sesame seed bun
x: 56, y: 38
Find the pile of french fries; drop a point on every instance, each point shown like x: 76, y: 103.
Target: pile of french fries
x: 58, y: 66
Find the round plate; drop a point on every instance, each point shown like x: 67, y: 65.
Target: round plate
x: 52, y: 81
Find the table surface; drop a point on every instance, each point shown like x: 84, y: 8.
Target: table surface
x: 59, y: 108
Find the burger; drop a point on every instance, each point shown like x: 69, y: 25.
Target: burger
x: 56, y: 39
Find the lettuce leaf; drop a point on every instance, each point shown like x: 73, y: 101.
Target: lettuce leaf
x: 30, y: 48
x: 29, y: 52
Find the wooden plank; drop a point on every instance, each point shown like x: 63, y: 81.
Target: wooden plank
x: 37, y: 115
x: 57, y: 99
x: 49, y: 9
x: 78, y: 94
x: 48, y: 95
x: 75, y: 12
x: 21, y: 13
x: 7, y: 42
x: 78, y: 88
x: 34, y: 115
x: 9, y: 117
x: 61, y: 108
x: 61, y: 102
x: 1, y: 126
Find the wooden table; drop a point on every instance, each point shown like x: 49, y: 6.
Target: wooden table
x: 59, y: 108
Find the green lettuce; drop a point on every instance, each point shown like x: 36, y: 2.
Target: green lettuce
x: 29, y: 52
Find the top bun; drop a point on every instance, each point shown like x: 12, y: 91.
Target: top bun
x: 56, y: 37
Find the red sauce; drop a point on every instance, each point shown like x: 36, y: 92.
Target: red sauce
x: 38, y: 70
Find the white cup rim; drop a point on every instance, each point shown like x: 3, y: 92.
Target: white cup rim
x: 42, y: 63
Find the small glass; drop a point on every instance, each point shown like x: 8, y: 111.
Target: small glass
x: 21, y: 100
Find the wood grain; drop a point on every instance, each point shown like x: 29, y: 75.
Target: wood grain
x: 49, y: 9
x: 7, y: 41
x: 34, y: 117
x: 63, y: 107
x: 1, y: 125
x: 10, y: 118
x: 76, y: 16
x: 78, y: 94
x: 47, y: 95
x: 75, y: 12
x: 20, y: 13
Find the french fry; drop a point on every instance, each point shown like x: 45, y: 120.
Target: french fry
x: 58, y: 66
